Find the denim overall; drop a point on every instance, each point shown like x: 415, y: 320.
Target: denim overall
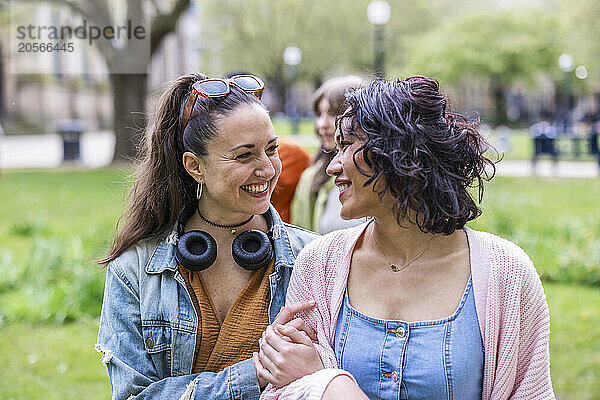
x: 441, y: 359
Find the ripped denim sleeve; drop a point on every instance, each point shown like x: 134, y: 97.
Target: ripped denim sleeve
x: 106, y: 354
x: 235, y: 382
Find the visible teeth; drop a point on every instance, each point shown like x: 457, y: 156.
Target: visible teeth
x: 343, y: 186
x: 256, y: 188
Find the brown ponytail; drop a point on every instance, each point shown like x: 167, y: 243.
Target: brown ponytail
x: 160, y: 186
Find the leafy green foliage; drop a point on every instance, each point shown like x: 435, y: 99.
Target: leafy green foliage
x: 57, y: 283
x: 506, y: 45
x: 335, y: 36
x: 54, y: 225
x: 252, y: 36
x: 495, y: 48
x: 580, y: 22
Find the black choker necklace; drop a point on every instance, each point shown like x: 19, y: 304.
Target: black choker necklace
x: 232, y: 227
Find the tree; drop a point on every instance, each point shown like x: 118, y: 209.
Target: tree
x: 129, y: 88
x: 500, y: 47
x: 335, y: 36
x: 252, y: 35
x: 580, y: 20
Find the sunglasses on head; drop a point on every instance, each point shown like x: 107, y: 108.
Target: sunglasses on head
x: 217, y: 87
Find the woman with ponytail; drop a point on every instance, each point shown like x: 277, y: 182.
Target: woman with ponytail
x: 200, y: 266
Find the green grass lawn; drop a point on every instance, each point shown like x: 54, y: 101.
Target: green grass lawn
x: 51, y: 362
x: 283, y: 127
x: 55, y: 222
x: 556, y: 221
x: 574, y: 340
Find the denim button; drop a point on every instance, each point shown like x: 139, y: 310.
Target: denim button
x: 149, y: 343
x: 400, y: 332
x: 395, y: 376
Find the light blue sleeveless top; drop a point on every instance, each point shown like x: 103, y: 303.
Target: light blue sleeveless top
x: 441, y: 359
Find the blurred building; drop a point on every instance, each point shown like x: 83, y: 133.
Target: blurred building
x: 64, y: 86
x: 38, y: 90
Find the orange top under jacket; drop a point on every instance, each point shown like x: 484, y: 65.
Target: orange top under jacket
x: 220, y: 344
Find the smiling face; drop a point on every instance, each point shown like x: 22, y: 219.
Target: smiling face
x: 325, y: 124
x: 241, y: 169
x: 357, y: 200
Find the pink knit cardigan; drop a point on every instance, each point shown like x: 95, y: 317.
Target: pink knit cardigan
x: 509, y: 298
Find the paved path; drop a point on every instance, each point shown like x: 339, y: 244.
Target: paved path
x: 562, y: 169
x: 46, y: 151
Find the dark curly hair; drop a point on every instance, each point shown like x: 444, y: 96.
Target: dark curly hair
x: 426, y: 157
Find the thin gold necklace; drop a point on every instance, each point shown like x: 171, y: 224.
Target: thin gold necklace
x: 393, y: 266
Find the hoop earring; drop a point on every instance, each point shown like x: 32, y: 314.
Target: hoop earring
x: 199, y: 190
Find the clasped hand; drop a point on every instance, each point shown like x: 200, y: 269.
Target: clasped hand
x: 287, y: 351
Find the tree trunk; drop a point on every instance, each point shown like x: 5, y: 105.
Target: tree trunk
x: 129, y: 116
x: 2, y: 102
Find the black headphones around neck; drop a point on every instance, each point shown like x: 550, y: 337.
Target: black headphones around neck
x: 197, y: 250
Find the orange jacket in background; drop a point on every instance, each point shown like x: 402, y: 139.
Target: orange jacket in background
x: 294, y: 160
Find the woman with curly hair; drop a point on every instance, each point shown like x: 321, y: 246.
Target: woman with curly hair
x: 411, y: 304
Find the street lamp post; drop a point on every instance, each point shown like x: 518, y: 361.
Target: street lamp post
x: 292, y: 57
x: 379, y: 13
x: 566, y: 65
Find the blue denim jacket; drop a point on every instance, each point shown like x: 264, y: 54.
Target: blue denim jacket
x: 148, y: 323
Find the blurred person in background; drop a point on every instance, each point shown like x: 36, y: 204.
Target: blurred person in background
x: 201, y: 264
x: 544, y: 135
x: 411, y: 304
x: 594, y: 134
x: 316, y: 205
